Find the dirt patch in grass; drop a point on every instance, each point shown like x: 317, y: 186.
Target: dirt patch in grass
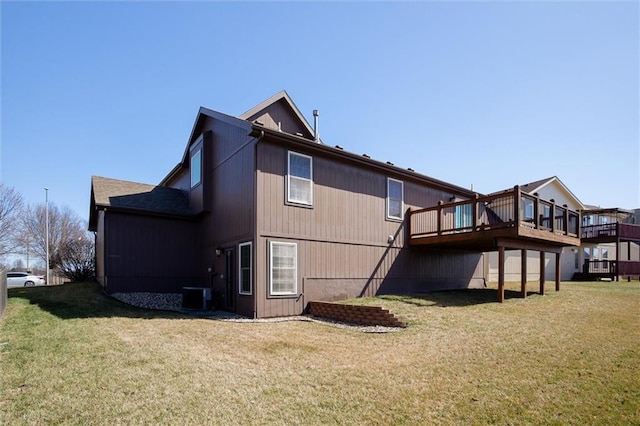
x: 71, y: 355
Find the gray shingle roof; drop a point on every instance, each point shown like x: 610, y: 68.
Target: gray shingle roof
x: 138, y: 196
x: 528, y: 187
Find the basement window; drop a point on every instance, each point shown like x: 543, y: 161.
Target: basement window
x: 283, y: 276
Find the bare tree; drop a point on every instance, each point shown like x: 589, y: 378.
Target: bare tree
x: 77, y: 258
x: 64, y: 226
x: 10, y: 207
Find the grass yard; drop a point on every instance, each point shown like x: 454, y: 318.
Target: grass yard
x: 70, y: 355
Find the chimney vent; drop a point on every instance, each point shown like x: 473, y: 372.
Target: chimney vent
x: 316, y: 131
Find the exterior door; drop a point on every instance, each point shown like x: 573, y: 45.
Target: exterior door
x: 229, y: 280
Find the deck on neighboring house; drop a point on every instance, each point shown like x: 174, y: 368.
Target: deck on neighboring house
x: 619, y: 233
x: 610, y: 232
x: 510, y: 220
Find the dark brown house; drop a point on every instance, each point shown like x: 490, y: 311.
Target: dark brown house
x: 268, y: 217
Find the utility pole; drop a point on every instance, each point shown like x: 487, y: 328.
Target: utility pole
x: 46, y: 200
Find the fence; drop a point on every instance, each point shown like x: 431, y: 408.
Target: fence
x: 3, y: 291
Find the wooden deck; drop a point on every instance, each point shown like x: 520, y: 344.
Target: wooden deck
x: 510, y: 219
x: 593, y: 270
x: 611, y: 225
x: 499, y: 222
x: 610, y: 232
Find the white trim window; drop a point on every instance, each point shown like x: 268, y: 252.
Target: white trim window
x: 196, y: 168
x: 245, y: 268
x: 395, y: 199
x: 299, y: 179
x: 283, y: 274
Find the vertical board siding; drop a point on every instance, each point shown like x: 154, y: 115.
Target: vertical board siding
x: 150, y: 254
x: 513, y: 268
x: 343, y: 248
x: 229, y: 171
x: 100, y: 249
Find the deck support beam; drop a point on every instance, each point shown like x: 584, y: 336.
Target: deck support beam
x: 542, y: 273
x: 523, y: 273
x: 500, y: 274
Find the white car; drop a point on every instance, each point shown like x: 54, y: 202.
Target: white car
x: 23, y: 279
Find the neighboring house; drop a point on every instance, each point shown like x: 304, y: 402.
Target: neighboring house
x: 610, y: 243
x: 268, y: 218
x: 552, y: 189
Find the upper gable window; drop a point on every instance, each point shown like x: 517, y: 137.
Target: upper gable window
x: 395, y: 199
x: 299, y: 179
x: 196, y: 168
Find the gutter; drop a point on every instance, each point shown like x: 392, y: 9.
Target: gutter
x: 262, y: 132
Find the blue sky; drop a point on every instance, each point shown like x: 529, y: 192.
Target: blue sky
x: 489, y: 94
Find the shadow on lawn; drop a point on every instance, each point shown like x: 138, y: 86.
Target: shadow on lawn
x: 84, y: 300
x: 453, y: 298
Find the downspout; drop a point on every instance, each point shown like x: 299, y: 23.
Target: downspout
x: 255, y: 223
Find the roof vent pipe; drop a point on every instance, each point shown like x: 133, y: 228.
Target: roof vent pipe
x: 316, y: 134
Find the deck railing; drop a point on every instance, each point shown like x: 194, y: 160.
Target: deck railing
x: 599, y: 267
x: 491, y: 212
x: 611, y: 267
x: 606, y: 230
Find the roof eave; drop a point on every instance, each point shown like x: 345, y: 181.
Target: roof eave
x: 261, y: 131
x: 146, y: 212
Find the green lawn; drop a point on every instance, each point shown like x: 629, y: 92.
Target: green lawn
x: 70, y: 355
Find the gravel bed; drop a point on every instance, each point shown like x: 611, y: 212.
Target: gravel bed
x: 157, y: 301
x: 173, y: 302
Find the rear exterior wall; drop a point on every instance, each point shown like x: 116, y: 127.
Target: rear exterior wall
x: 100, y: 253
x: 228, y: 194
x: 148, y: 254
x: 346, y: 246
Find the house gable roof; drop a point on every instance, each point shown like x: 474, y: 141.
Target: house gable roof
x: 123, y: 195
x: 196, y: 130
x: 279, y: 112
x: 279, y: 108
x: 534, y: 186
x: 537, y: 185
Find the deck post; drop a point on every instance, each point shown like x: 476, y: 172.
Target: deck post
x: 523, y: 273
x: 516, y: 206
x: 439, y: 218
x: 628, y: 258
x: 501, y: 274
x: 536, y: 211
x: 475, y: 213
x: 565, y: 219
x: 553, y: 215
x: 557, y: 271
x: 617, y: 277
x: 542, y: 273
